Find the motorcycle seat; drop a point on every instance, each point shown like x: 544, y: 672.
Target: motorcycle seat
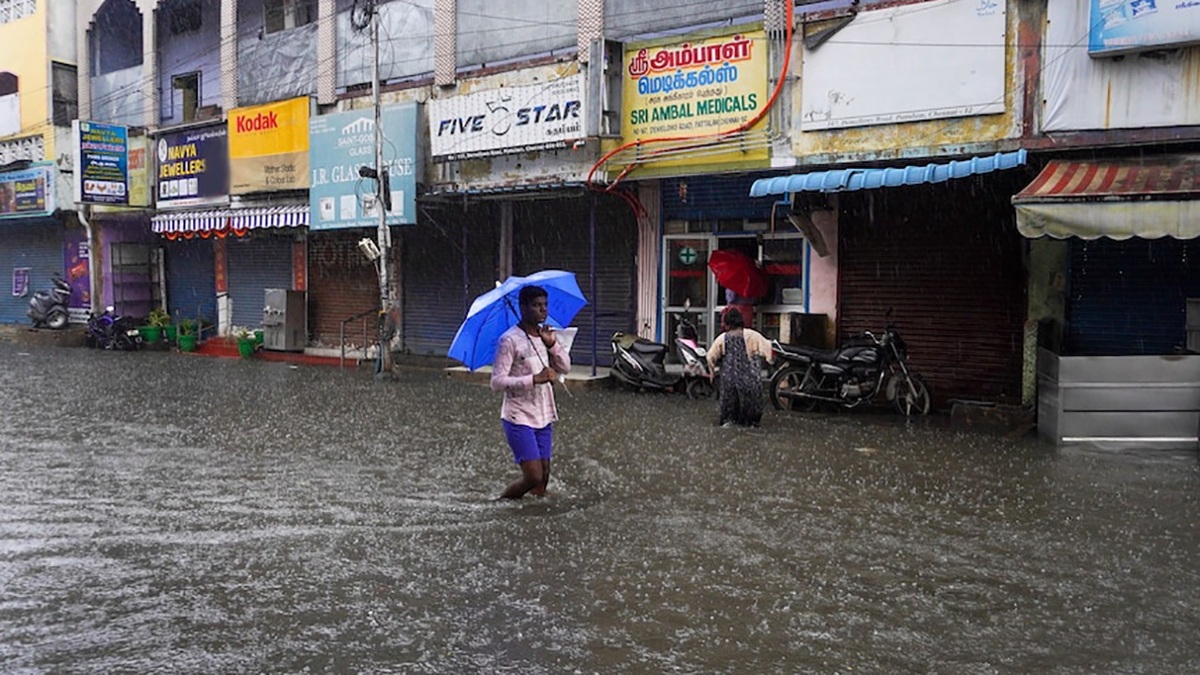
x: 811, y: 353
x: 637, y: 345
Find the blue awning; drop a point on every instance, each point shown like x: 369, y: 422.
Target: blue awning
x: 847, y: 180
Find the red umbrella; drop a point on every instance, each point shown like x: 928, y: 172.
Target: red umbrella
x: 739, y: 272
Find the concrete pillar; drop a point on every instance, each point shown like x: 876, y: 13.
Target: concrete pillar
x: 590, y: 26
x: 83, y: 22
x: 150, y: 65
x: 445, y: 42
x: 326, y: 51
x: 649, y: 250
x: 229, y: 55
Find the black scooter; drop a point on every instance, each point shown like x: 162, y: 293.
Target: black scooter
x: 49, y: 309
x: 639, y: 363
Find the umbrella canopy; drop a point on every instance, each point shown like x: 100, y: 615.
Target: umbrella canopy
x: 498, y: 310
x: 737, y: 271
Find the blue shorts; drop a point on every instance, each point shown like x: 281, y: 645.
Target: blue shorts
x: 527, y: 443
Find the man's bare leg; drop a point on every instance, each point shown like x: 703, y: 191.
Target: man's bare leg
x: 540, y: 490
x: 531, y: 478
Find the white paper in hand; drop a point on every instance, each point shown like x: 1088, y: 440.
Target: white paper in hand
x: 566, y: 337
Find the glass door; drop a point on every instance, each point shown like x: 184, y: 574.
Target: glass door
x: 687, y: 282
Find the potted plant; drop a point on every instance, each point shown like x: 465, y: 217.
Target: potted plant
x: 245, y: 341
x: 160, y: 319
x: 187, y: 335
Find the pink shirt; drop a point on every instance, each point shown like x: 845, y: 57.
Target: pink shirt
x: 520, y: 356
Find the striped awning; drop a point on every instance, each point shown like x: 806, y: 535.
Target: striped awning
x: 208, y: 220
x: 1150, y: 198
x: 848, y: 180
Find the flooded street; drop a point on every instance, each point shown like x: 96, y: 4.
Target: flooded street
x: 162, y: 512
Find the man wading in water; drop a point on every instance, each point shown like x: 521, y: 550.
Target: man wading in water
x: 528, y: 360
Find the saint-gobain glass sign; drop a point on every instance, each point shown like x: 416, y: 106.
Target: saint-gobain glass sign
x: 510, y: 119
x: 1120, y: 26
x: 339, y: 144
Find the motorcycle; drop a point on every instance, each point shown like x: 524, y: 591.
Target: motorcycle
x: 49, y: 309
x: 640, y: 363
x: 112, y: 331
x: 697, y: 382
x: 863, y: 368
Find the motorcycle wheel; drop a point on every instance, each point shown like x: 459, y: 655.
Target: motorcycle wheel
x: 790, y: 380
x: 912, y: 396
x: 57, y: 319
x: 700, y: 389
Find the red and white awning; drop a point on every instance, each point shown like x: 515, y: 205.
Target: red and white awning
x: 212, y: 220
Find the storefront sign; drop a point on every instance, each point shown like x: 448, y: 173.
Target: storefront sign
x: 20, y: 284
x: 508, y: 119
x: 193, y: 167
x: 139, y: 172
x: 300, y: 265
x: 702, y: 87
x: 101, y: 163
x: 27, y: 193
x: 268, y: 147
x: 341, y: 144
x: 220, y: 266
x: 1120, y: 26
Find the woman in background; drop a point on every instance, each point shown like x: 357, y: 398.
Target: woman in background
x: 740, y: 351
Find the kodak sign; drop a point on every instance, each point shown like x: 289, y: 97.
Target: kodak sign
x: 268, y: 147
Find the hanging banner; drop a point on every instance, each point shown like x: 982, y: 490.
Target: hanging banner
x: 76, y: 253
x: 27, y: 193
x: 509, y: 119
x: 101, y: 163
x: 1122, y: 26
x: 342, y: 143
x: 268, y: 147
x: 20, y: 282
x: 695, y: 87
x: 193, y: 168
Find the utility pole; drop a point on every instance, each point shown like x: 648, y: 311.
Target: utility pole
x: 385, y: 325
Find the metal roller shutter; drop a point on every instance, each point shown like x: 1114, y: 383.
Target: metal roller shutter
x: 37, y: 245
x: 341, y: 284
x: 555, y: 234
x: 191, y: 279
x: 256, y: 263
x: 1130, y: 297
x: 947, y: 260
x: 449, y: 259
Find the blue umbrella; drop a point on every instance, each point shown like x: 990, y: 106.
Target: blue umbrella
x: 498, y: 310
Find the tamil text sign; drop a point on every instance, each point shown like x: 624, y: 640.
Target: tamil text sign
x: 268, y: 147
x: 508, y: 119
x: 193, y: 167
x: 695, y: 88
x: 342, y: 143
x: 26, y: 193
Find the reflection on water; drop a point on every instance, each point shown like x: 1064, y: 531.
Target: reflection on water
x: 162, y: 511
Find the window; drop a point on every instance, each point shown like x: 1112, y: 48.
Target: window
x: 284, y: 14
x: 11, y: 10
x: 184, y: 17
x: 188, y: 86
x: 66, y: 93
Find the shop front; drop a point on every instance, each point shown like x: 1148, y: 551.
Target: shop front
x: 1114, y: 249
x: 34, y: 243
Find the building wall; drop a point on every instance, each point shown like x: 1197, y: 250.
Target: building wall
x: 487, y: 34
x: 23, y: 53
x: 190, y: 52
x: 60, y: 24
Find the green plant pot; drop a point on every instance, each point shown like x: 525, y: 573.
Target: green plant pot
x: 187, y: 343
x: 169, y: 332
x: 151, y: 334
x: 258, y: 337
x: 246, y: 347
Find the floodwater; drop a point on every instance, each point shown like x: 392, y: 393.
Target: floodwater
x: 164, y: 512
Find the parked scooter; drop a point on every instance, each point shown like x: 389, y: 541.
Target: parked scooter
x: 639, y: 363
x: 112, y: 331
x: 49, y: 309
x: 862, y: 369
x: 697, y: 383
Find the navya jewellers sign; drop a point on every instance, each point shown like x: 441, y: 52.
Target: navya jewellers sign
x: 507, y: 120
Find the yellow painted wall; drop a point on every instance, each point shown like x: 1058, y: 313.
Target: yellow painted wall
x: 23, y: 52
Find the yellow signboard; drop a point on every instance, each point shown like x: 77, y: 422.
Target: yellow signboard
x: 268, y: 147
x: 696, y: 88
